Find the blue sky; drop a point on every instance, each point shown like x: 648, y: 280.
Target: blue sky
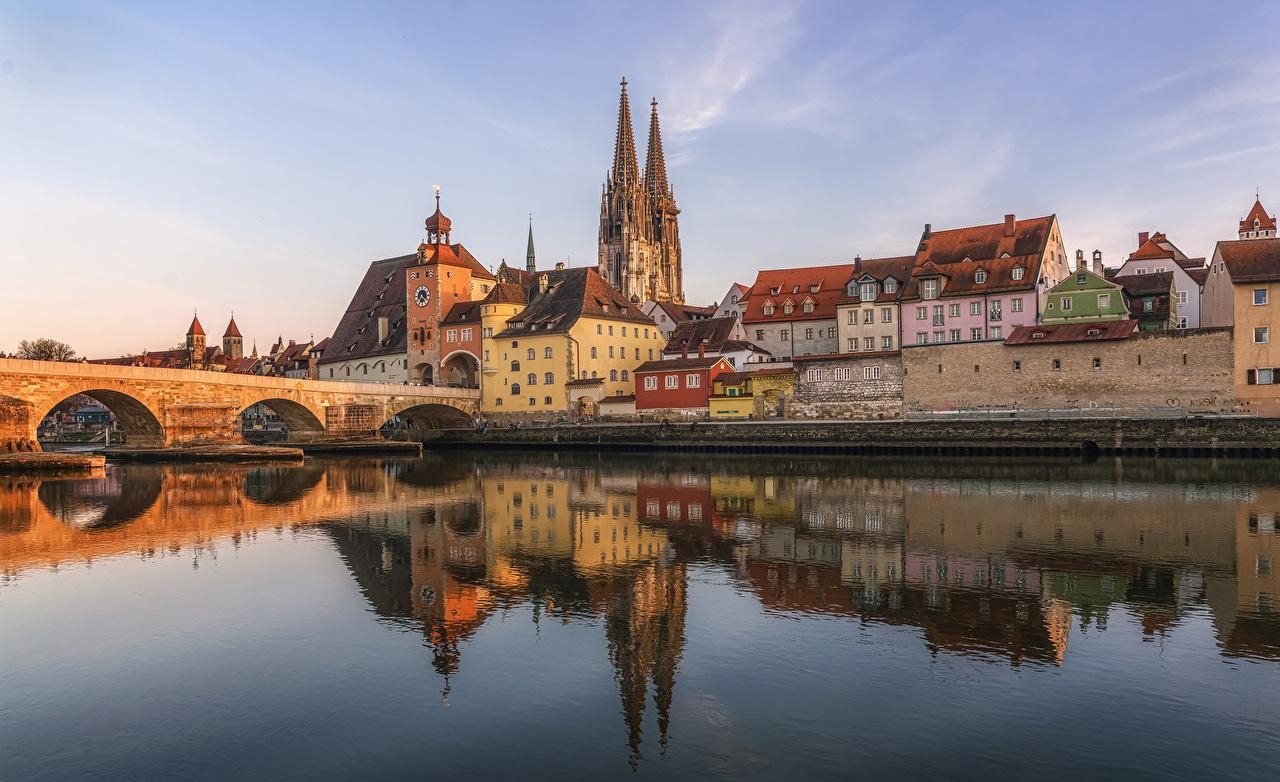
x: 157, y: 158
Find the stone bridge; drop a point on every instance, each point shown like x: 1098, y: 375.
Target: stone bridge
x: 166, y: 407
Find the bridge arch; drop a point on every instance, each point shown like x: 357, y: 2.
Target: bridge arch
x: 281, y: 485
x: 300, y: 421
x: 122, y: 495
x: 427, y: 416
x: 139, y: 422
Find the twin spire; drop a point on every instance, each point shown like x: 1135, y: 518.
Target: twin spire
x: 626, y: 171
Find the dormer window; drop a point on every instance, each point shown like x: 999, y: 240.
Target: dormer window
x: 1037, y: 335
x: 980, y: 276
x: 814, y: 288
x: 788, y: 307
x: 867, y: 291
x: 929, y: 288
x: 1256, y: 223
x: 768, y: 308
x: 1004, y: 255
x: 853, y: 289
x: 808, y: 306
x: 775, y: 290
x: 890, y: 285
x: 795, y: 289
x: 1018, y: 272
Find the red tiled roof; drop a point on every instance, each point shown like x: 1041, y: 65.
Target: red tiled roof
x: 1251, y: 260
x: 797, y: 286
x: 196, y: 329
x: 1199, y: 274
x: 668, y: 364
x: 959, y: 253
x: 572, y: 294
x: 454, y: 255
x: 711, y: 333
x: 507, y: 293
x: 1265, y: 222
x: 1072, y: 332
x: 1151, y: 250
x: 232, y: 330
x: 733, y: 378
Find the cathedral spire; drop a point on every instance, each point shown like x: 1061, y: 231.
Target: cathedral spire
x: 530, y: 264
x: 655, y: 163
x: 625, y: 169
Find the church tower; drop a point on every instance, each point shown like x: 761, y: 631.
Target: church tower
x: 1258, y: 224
x: 195, y: 343
x: 232, y: 342
x: 639, y: 233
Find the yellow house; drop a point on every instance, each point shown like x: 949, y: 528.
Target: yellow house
x: 1243, y: 291
x: 730, y: 397
x: 575, y: 341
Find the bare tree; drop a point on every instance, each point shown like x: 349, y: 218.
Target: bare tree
x: 45, y: 349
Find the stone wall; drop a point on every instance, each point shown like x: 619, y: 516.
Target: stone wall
x: 1190, y: 369
x: 17, y: 425
x: 872, y: 390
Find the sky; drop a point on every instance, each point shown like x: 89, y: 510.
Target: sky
x: 159, y: 159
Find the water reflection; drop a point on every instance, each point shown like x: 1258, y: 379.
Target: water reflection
x: 998, y: 562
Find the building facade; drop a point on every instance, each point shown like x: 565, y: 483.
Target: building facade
x: 1084, y: 297
x: 1258, y: 224
x: 639, y: 238
x: 1152, y: 299
x: 1243, y: 291
x: 678, y: 384
x: 868, y: 316
x: 1156, y: 254
x: 792, y: 312
x: 862, y: 386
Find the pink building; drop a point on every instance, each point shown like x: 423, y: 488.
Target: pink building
x: 978, y: 283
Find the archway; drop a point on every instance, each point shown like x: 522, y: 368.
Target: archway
x: 278, y: 419
x: 122, y: 495
x: 423, y: 418
x: 281, y: 485
x: 461, y: 370
x: 423, y: 374
x: 586, y: 406
x: 129, y: 421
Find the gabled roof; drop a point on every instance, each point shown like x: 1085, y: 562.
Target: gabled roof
x: 711, y: 333
x: 1150, y: 251
x: 1145, y: 284
x: 1199, y: 275
x: 829, y: 279
x: 379, y: 294
x: 996, y: 249
x: 879, y: 269
x: 232, y: 329
x: 515, y: 275
x: 1251, y: 260
x: 1265, y: 222
x: 667, y: 364
x: 1072, y: 332
x: 507, y: 293
x: 571, y: 294
x: 454, y: 255
x: 463, y: 312
x: 682, y: 313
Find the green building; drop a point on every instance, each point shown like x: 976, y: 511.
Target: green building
x: 1084, y: 297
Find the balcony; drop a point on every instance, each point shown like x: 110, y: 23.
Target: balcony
x: 995, y: 316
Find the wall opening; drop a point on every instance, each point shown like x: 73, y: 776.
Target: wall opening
x: 100, y: 417
x: 279, y: 420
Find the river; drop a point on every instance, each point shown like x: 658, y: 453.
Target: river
x: 628, y: 616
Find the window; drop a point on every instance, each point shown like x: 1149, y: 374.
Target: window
x: 812, y: 375
x: 595, y: 353
x: 611, y: 331
x: 1261, y: 335
x: 955, y: 335
x: 546, y: 353
x: 1057, y: 363
x: 808, y: 306
x: 869, y: 316
x: 531, y: 379
x: 768, y: 308
x: 1182, y: 321
x: 759, y: 335
x: 868, y: 343
x: 843, y: 373
x: 808, y: 333
x: 451, y: 335
x: 1259, y: 296
x: 532, y: 401
x: 1104, y: 301
x: 867, y: 291
x: 650, y: 383
x: 853, y: 344
x: 651, y: 354
x: 466, y: 335
x: 995, y: 310
x: 611, y: 351
x: 1015, y: 305
x: 515, y: 389
x: 625, y: 376
x: 975, y: 308
x: 890, y: 285
x: 488, y: 333
x: 1097, y: 363
x: 546, y: 400
x: 980, y: 276
x: 831, y: 332
x: 531, y: 355
x: 938, y: 320
x: 1262, y: 377
x: 997, y: 332
x: 693, y: 381
x: 929, y: 289
x: 1017, y: 272
x: 886, y: 314
x: 922, y: 313
x: 938, y: 336
x: 853, y: 317
x: 784, y: 335
x: 673, y: 381
x: 871, y: 373
x: 922, y: 338
x: 1181, y: 296
x: 613, y: 375
x: 886, y: 343
x: 1066, y: 303
x: 788, y: 308
x: 549, y: 378
x: 953, y: 311
x: 1082, y: 279
x: 515, y: 366
x: 1017, y: 365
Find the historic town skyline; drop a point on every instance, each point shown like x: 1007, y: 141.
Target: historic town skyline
x: 191, y: 162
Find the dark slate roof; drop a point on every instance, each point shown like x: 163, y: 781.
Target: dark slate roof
x: 1145, y: 284
x: 379, y: 294
x: 682, y: 313
x: 712, y: 333
x: 730, y: 345
x: 506, y: 293
x: 879, y: 269
x: 463, y: 312
x: 571, y: 294
x: 693, y: 362
x: 1251, y: 260
x: 1072, y: 332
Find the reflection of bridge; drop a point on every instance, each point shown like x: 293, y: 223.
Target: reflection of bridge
x: 157, y: 407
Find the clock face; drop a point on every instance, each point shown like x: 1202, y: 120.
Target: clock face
x: 422, y: 296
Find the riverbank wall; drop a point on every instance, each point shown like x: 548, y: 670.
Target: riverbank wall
x: 1190, y: 437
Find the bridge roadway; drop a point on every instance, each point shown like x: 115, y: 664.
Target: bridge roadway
x: 167, y: 407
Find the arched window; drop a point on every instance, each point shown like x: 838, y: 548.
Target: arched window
x: 613, y: 375
x: 546, y: 352
x: 549, y: 378
x: 364, y: 369
x: 594, y: 353
x: 531, y: 355
x: 624, y: 376
x: 346, y: 370
x: 593, y: 374
x: 546, y: 400
x: 515, y: 366
x: 532, y: 379
x: 515, y: 389
x: 532, y: 401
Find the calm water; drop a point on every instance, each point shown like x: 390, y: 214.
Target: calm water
x: 584, y: 617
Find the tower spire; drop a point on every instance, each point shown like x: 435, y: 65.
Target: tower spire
x: 529, y: 263
x: 625, y: 169
x: 655, y: 163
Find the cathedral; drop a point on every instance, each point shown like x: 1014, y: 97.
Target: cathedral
x: 639, y: 221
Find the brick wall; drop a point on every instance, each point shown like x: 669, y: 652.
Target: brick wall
x: 1162, y: 369
x: 873, y: 389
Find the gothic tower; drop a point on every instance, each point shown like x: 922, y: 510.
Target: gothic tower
x: 639, y: 231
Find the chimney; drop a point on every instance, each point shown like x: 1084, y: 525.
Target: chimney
x: 383, y: 324
x: 1010, y: 222
x: 1142, y: 237
x: 702, y: 353
x: 928, y: 231
x: 1079, y: 260
x: 559, y: 266
x: 684, y: 350
x: 1097, y: 264
x: 542, y: 283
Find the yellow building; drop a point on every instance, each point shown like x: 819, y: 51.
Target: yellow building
x: 1243, y: 291
x: 574, y: 342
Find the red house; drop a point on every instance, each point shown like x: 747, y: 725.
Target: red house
x: 677, y: 383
